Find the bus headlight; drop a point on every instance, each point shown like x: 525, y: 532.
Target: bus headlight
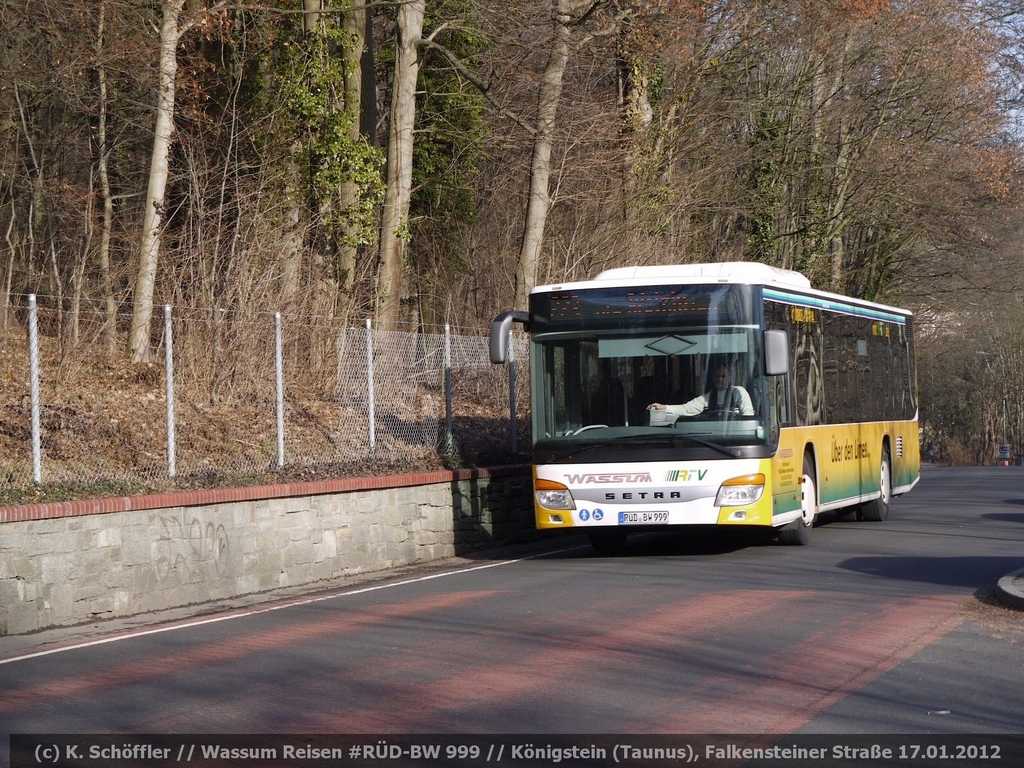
x: 552, y: 495
x: 740, y: 491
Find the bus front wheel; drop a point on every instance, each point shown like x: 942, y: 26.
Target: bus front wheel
x: 799, y: 531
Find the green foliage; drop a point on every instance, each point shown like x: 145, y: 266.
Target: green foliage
x: 657, y: 82
x: 767, y: 188
x: 450, y: 124
x: 812, y: 247
x: 305, y: 73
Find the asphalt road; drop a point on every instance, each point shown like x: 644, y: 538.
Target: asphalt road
x: 875, y: 628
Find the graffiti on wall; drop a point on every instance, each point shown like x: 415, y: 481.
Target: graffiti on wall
x: 189, y: 549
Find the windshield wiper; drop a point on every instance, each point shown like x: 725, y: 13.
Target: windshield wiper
x: 734, y: 452
x: 648, y: 436
x: 653, y: 438
x: 575, y: 451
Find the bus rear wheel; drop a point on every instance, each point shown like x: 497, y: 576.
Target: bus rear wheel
x: 798, y: 532
x: 877, y: 510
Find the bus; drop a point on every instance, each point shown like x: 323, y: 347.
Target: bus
x: 633, y: 429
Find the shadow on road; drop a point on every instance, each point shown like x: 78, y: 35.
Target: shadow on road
x: 976, y: 572
x: 1006, y: 516
x: 678, y: 543
x: 685, y: 543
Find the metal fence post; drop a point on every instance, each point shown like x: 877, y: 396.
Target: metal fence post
x: 279, y: 378
x: 512, y: 392
x: 33, y: 357
x: 369, y: 385
x: 449, y: 437
x: 169, y: 365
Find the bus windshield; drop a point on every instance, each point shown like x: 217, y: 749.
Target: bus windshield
x: 676, y: 368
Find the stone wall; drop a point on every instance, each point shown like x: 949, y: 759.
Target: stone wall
x: 75, y: 562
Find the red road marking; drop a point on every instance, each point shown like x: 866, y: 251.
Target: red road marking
x: 793, y: 686
x: 443, y: 686
x: 429, y: 707
x: 226, y: 650
x: 825, y: 668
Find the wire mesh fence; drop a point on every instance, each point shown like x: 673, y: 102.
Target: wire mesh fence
x: 232, y: 397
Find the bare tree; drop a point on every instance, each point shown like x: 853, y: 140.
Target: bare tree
x: 154, y: 212
x: 548, y: 95
x: 589, y: 21
x: 155, y: 206
x: 103, y: 171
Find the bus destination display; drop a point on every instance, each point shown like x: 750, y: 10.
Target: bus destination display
x: 600, y: 305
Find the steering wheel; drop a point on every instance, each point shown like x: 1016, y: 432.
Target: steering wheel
x: 590, y: 426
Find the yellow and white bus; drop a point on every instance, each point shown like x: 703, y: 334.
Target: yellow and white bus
x: 632, y: 432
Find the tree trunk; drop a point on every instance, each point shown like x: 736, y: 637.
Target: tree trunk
x: 153, y: 217
x: 842, y: 183
x: 394, y: 224
x: 540, y: 168
x: 9, y: 280
x: 311, y: 13
x: 355, y: 27
x: 103, y: 256
x: 293, y: 236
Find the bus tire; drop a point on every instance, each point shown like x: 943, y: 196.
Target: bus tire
x: 798, y: 532
x: 877, y: 510
x: 608, y: 542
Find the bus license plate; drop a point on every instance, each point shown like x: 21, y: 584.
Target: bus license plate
x: 634, y: 518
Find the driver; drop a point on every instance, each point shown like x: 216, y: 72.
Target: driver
x: 723, y: 397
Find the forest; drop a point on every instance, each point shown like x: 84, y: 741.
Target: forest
x: 426, y: 163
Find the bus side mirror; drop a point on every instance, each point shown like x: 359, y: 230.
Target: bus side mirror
x: 500, y: 329
x: 776, y: 353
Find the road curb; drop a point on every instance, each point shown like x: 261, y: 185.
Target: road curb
x: 1010, y: 590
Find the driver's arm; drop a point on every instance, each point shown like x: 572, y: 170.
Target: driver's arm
x: 694, y: 407
x: 746, y: 406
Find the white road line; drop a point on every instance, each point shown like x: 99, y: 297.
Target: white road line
x: 276, y: 607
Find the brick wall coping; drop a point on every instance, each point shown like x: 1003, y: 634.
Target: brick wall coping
x: 52, y: 509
